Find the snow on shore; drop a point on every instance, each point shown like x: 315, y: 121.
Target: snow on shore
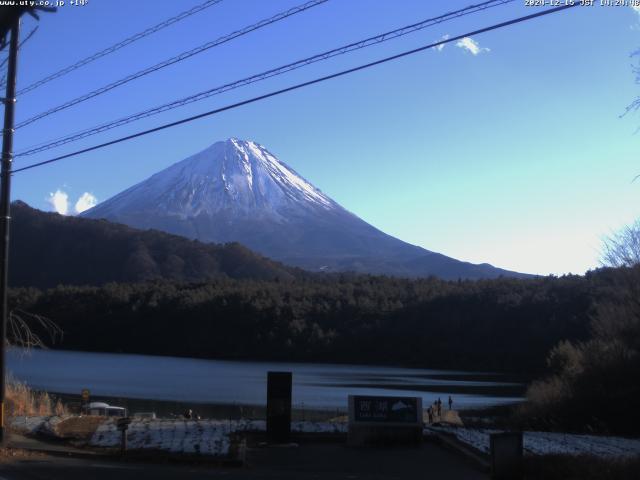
x: 207, y: 437
x: 214, y: 437
x: 29, y: 425
x: 545, y: 443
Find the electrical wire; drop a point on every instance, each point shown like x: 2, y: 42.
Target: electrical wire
x: 3, y: 81
x: 119, y: 45
x: 300, y: 85
x: 262, y: 76
x: 22, y: 42
x: 178, y: 58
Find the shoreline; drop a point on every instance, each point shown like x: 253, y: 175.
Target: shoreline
x: 223, y: 411
x: 185, y: 380
x: 435, y: 371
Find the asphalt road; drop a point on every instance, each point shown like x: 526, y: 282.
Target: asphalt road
x: 308, y: 461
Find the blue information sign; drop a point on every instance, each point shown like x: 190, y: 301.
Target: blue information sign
x: 386, y: 409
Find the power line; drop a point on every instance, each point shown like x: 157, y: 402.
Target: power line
x: 299, y: 85
x: 263, y: 76
x: 119, y: 45
x: 175, y: 59
x: 3, y: 81
x: 22, y: 42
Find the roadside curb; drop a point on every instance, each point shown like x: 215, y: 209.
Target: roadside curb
x: 160, y: 457
x: 475, y: 458
x: 146, y: 456
x: 61, y: 453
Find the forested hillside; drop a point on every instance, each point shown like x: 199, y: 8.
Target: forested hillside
x: 491, y: 324
x: 48, y: 249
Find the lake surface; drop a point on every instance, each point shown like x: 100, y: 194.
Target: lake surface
x: 244, y: 383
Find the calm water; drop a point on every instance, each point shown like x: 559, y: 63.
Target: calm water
x: 231, y: 382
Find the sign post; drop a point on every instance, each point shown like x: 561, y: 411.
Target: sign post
x: 375, y: 420
x: 85, y: 396
x: 123, y: 426
x: 279, y: 407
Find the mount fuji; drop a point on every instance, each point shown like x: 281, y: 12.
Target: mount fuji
x: 238, y: 191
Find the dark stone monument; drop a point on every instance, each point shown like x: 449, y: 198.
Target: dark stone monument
x: 384, y: 420
x: 506, y: 455
x: 279, y: 407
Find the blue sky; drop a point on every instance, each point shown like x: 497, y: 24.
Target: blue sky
x: 514, y: 155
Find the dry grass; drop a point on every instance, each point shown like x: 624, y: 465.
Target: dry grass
x: 23, y: 401
x: 8, y: 455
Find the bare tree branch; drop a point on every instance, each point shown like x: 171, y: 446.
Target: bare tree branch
x: 21, y: 326
x: 623, y: 248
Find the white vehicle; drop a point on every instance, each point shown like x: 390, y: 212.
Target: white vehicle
x: 105, y: 410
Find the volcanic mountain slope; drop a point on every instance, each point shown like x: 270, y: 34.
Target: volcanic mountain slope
x: 238, y: 191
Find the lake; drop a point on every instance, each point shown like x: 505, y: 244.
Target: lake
x: 244, y: 383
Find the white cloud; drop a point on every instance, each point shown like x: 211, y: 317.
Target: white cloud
x: 59, y: 201
x: 636, y: 8
x: 441, y: 46
x: 469, y: 44
x: 85, y: 202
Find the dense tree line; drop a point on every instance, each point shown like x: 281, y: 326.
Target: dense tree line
x: 593, y: 384
x: 500, y: 324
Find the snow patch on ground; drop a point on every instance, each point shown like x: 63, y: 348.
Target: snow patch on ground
x: 318, y: 427
x: 213, y: 437
x: 206, y: 437
x: 43, y: 425
x: 545, y: 443
x: 28, y: 425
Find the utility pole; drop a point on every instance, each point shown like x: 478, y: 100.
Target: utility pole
x: 5, y: 205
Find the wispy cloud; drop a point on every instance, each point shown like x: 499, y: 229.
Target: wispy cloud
x: 59, y: 201
x: 441, y: 46
x: 469, y: 44
x: 636, y: 8
x: 85, y: 202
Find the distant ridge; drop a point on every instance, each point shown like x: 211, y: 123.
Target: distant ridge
x: 237, y: 190
x: 48, y: 249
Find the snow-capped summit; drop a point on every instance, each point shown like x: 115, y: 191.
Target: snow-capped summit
x: 237, y: 175
x: 236, y: 190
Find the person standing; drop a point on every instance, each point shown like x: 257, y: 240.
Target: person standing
x: 450, y: 402
x: 439, y: 406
